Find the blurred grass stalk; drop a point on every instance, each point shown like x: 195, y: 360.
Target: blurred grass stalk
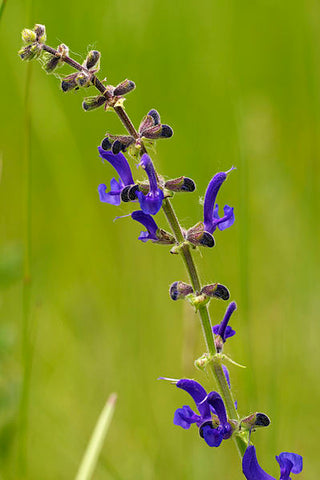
x: 3, y: 4
x: 95, y: 444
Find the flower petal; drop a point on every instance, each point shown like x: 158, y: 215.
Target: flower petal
x: 223, y: 332
x: 150, y: 203
x: 148, y: 222
x: 185, y: 416
x: 212, y: 436
x: 227, y: 220
x: 251, y: 467
x: 226, y: 374
x: 289, y: 463
x: 112, y: 197
x: 119, y: 162
x: 198, y: 394
x: 215, y: 400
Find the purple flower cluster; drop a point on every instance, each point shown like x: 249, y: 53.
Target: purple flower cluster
x: 125, y: 189
x: 212, y: 418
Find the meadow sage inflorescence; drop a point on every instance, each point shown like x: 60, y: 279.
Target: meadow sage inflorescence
x: 218, y: 418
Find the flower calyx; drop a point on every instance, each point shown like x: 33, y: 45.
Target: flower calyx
x: 254, y: 421
x: 180, y: 184
x: 198, y: 237
x: 180, y: 290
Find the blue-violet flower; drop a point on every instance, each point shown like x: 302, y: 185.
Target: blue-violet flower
x: 119, y: 162
x: 289, y: 463
x: 213, y: 430
x: 153, y: 233
x: 150, y: 203
x: 210, y: 209
x: 223, y: 329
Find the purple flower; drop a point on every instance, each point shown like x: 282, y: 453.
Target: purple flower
x: 289, y: 463
x: 119, y: 162
x: 153, y: 233
x: 150, y: 203
x: 210, y: 210
x: 223, y: 329
x: 212, y: 432
x: 148, y: 222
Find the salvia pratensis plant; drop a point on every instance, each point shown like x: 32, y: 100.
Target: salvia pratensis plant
x: 217, y: 417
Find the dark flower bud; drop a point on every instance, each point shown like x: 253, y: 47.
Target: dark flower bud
x: 166, y: 131
x: 121, y: 143
x: 40, y: 31
x: 216, y: 290
x: 128, y: 193
x: 117, y: 146
x: 28, y: 36
x: 30, y: 52
x: 180, y: 290
x: 198, y: 236
x: 254, y: 421
x: 90, y: 103
x: 181, y: 184
x: 207, y: 240
x: 83, y: 79
x: 155, y: 115
x: 92, y: 59
x: 69, y: 82
x: 51, y: 62
x: 124, y: 87
x: 106, y: 144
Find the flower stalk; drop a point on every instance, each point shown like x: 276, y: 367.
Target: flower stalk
x: 218, y: 418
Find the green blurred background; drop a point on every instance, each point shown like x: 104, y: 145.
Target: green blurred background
x: 239, y: 82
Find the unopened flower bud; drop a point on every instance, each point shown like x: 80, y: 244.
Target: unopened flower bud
x: 106, y: 144
x: 30, y: 52
x: 199, y: 237
x: 83, y: 79
x: 51, y: 62
x: 181, y: 184
x: 69, y: 82
x: 92, y: 60
x: 40, y: 31
x: 179, y: 290
x: 63, y: 50
x: 128, y: 193
x: 216, y: 290
x: 124, y: 87
x: 28, y: 36
x: 90, y: 103
x: 254, y: 421
x: 121, y: 143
